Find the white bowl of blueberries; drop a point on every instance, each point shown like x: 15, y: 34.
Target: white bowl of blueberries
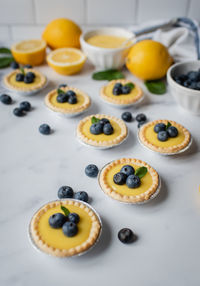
x: 184, y: 83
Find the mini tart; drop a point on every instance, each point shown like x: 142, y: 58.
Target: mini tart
x: 53, y: 241
x: 148, y: 137
x: 123, y: 99
x: 83, y: 101
x: 39, y: 81
x: 102, y: 140
x: 149, y: 183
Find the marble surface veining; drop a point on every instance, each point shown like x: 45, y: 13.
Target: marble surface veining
x: 33, y: 167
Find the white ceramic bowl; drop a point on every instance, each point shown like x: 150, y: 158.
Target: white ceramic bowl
x: 187, y: 98
x: 104, y: 58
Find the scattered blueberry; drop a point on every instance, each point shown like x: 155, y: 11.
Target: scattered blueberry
x: 62, y: 85
x: 127, y: 116
x: 119, y: 178
x: 72, y: 99
x: 25, y: 105
x: 6, y: 99
x: 71, y: 93
x: 133, y: 181
x: 126, y: 235
x: 162, y: 136
x: 159, y: 127
x: 62, y: 98
x: 172, y: 131
x: 141, y: 123
x: 28, y: 79
x: 104, y: 121
x: 82, y: 196
x: 91, y: 170
x: 69, y: 229
x: 19, y: 77
x: 73, y: 217
x: 126, y: 89
x: 57, y: 220
x: 45, y: 129
x: 18, y: 112
x: 96, y: 128
x: 141, y: 117
x: 107, y: 129
x: 28, y: 67
x: 65, y: 192
x: 127, y: 170
x: 14, y: 65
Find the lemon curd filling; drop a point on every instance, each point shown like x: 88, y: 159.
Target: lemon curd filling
x: 146, y: 182
x: 109, y: 92
x: 80, y: 101
x: 12, y: 80
x: 106, y: 41
x: 56, y: 238
x: 101, y: 137
x: 151, y: 136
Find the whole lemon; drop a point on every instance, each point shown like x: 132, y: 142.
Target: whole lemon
x: 62, y: 33
x: 148, y: 60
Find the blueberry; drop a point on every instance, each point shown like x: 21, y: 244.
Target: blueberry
x: 193, y: 76
x: 25, y: 105
x: 28, y: 66
x: 18, y: 112
x: 159, y: 127
x: 72, y: 99
x: 30, y: 74
x: 19, y: 77
x: 104, y: 121
x: 117, y: 90
x: 172, y: 131
x: 28, y: 79
x: 69, y: 229
x: 45, y: 129
x: 6, y: 99
x: 141, y: 117
x: 126, y: 89
x: 133, y: 181
x: 73, y: 217
x: 57, y: 220
x: 82, y: 196
x: 119, y: 178
x: 127, y: 170
x: 14, y: 65
x: 127, y: 116
x: 197, y: 86
x: 118, y: 85
x: 187, y: 83
x: 126, y: 235
x: 162, y: 136
x: 141, y: 123
x: 62, y: 98
x: 62, y: 85
x: 193, y: 85
x: 65, y: 192
x: 107, y: 129
x: 71, y: 93
x: 96, y: 128
x: 91, y: 170
x: 180, y: 78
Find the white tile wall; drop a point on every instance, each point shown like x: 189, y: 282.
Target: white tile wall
x: 26, y: 18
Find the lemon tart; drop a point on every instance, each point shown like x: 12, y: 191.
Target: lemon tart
x: 150, y: 138
x: 145, y: 190
x: 81, y: 104
x: 53, y: 241
x: 121, y: 92
x: 38, y: 82
x: 103, y: 139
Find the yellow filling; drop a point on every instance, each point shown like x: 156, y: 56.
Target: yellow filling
x: 109, y: 92
x: 146, y: 182
x: 66, y: 105
x: 106, y: 41
x: 56, y: 238
x: 13, y: 82
x: 101, y: 137
x: 151, y: 136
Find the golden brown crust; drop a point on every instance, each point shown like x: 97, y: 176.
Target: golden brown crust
x: 42, y: 245
x: 27, y: 87
x: 117, y: 140
x: 117, y: 100
x: 75, y: 109
x: 125, y: 198
x: 168, y: 150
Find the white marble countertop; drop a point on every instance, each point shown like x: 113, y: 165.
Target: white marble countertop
x: 33, y: 167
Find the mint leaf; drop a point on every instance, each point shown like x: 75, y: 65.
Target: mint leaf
x: 4, y: 50
x: 22, y: 71
x: 141, y: 172
x: 168, y: 125
x: 130, y: 85
x: 156, y: 86
x: 5, y: 62
x: 94, y: 120
x: 108, y: 75
x: 65, y: 210
x: 59, y: 91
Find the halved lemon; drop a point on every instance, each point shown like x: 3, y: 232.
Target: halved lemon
x: 66, y: 61
x: 30, y: 52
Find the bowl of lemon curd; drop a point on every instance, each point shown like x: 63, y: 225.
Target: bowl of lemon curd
x: 107, y: 48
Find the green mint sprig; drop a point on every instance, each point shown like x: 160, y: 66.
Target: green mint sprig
x: 108, y: 75
x: 141, y: 172
x: 22, y: 70
x: 156, y: 86
x: 6, y: 57
x: 168, y: 125
x: 130, y: 85
x: 60, y: 91
x: 65, y: 210
x: 94, y: 120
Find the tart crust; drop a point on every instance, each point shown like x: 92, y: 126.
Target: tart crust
x: 42, y: 245
x: 75, y: 109
x: 125, y: 198
x: 171, y: 149
x: 96, y: 143
x: 116, y: 99
x: 26, y: 87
